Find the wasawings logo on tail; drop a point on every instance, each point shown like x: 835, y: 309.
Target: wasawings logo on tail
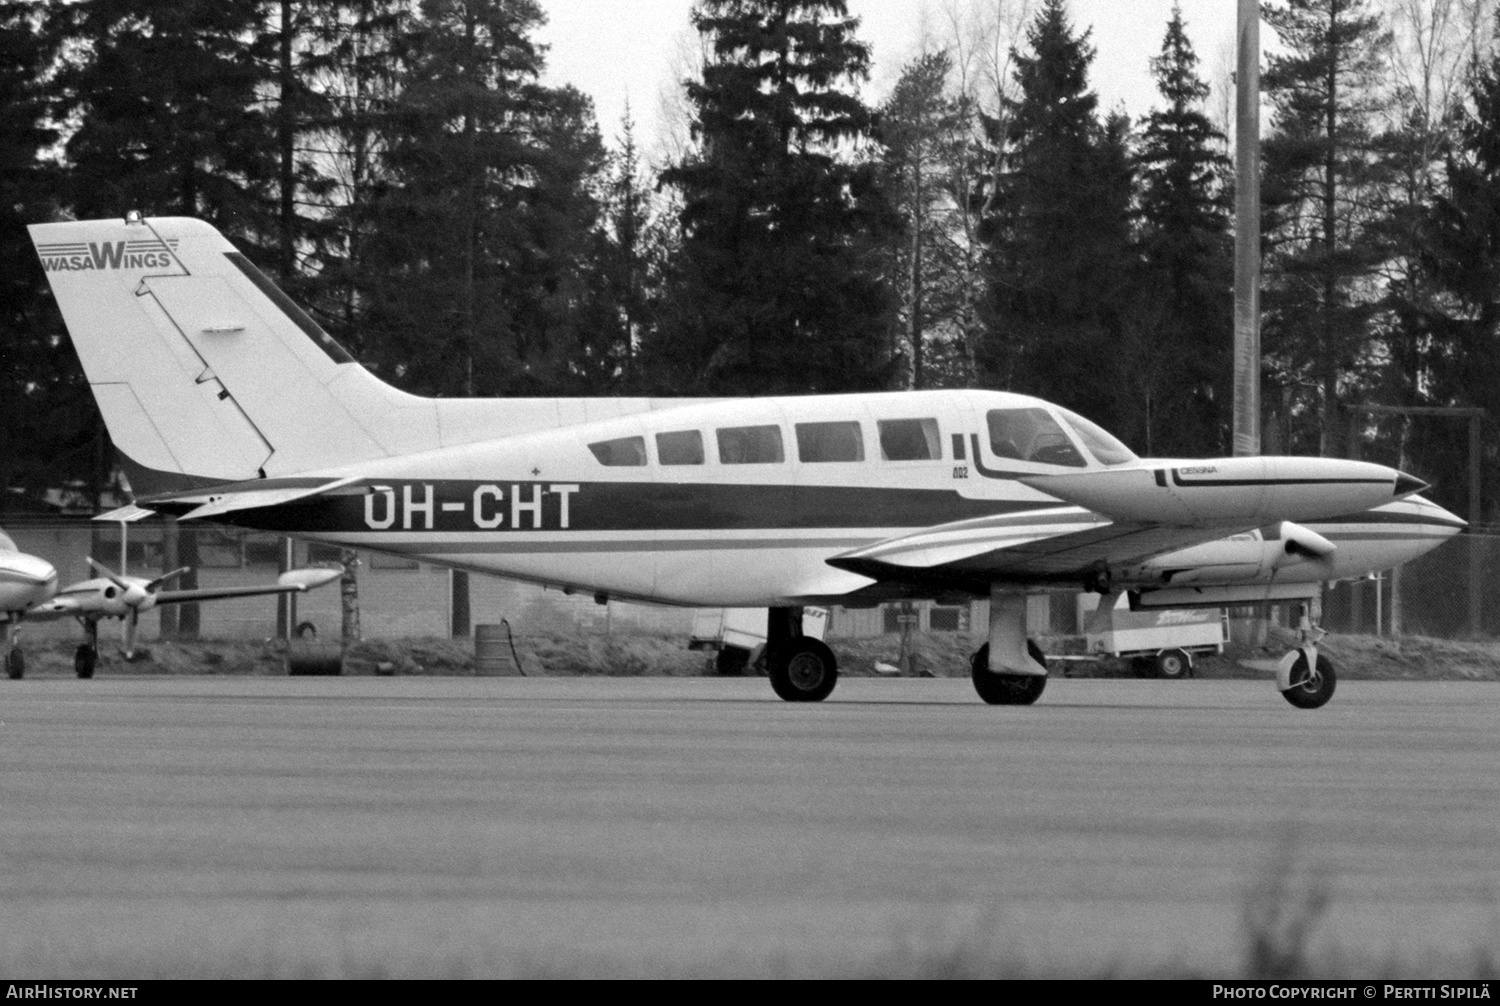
x: 77, y: 256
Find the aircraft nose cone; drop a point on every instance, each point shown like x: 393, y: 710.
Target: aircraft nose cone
x: 1408, y: 484
x: 32, y: 570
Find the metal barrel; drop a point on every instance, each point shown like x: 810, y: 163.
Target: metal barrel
x: 492, y: 652
x: 314, y: 656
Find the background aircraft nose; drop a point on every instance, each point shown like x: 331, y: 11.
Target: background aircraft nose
x: 1408, y: 484
x: 32, y: 569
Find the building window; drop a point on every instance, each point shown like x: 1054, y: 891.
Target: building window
x: 318, y: 553
x: 382, y: 560
x: 947, y: 619
x: 217, y: 550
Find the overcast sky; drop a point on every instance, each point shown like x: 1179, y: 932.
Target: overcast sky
x: 613, y: 48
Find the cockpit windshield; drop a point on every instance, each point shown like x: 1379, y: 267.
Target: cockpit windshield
x: 1031, y: 435
x: 1100, y: 443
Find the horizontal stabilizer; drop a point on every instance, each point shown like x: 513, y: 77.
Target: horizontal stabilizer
x: 216, y: 504
x: 128, y: 514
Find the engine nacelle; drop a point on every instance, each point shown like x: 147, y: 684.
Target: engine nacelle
x: 1250, y: 490
x: 1253, y: 556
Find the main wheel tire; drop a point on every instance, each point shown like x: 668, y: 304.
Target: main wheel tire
x: 1173, y: 664
x: 15, y: 664
x: 732, y: 661
x: 1311, y: 690
x: 804, y: 670
x: 85, y: 658
x: 1000, y: 689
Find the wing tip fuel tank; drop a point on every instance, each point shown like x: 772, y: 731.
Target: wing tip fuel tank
x: 1231, y: 491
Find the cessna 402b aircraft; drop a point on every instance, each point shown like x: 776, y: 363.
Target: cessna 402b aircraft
x: 231, y: 404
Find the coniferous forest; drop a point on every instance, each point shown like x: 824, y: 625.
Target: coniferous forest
x: 404, y: 170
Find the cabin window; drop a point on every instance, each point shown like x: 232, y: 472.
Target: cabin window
x: 830, y: 442
x: 1100, y: 442
x: 680, y: 447
x: 624, y: 452
x: 1031, y: 435
x: 750, y: 445
x: 910, y: 440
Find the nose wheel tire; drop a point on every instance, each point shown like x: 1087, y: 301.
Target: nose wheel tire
x: 803, y: 670
x: 1311, y: 688
x: 1001, y: 689
x: 15, y: 664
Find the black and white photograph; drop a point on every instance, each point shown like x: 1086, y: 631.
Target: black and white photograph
x: 780, y: 489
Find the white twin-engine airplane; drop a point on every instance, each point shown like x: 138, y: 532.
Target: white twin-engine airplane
x: 25, y: 582
x: 231, y: 404
x: 115, y: 595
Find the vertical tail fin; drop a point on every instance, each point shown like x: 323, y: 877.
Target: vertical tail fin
x: 203, y: 368
x: 206, y: 372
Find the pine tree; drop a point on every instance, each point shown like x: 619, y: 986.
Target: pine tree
x: 1322, y: 179
x: 474, y: 260
x: 1459, y: 251
x: 167, y: 100
x: 51, y: 433
x: 925, y: 131
x: 776, y: 288
x: 1184, y: 293
x: 1058, y: 235
x: 353, y: 54
x: 619, y: 309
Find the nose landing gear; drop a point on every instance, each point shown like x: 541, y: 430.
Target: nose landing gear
x: 1306, y: 677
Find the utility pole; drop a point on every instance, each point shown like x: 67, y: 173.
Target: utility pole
x: 1247, y: 234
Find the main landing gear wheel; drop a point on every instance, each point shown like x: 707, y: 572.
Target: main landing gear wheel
x: 1173, y: 664
x: 85, y: 658
x: 999, y: 689
x: 1311, y: 689
x: 803, y: 670
x: 15, y: 664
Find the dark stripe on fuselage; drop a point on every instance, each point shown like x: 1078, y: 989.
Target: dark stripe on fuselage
x: 1237, y: 483
x: 474, y: 505
x: 1378, y: 517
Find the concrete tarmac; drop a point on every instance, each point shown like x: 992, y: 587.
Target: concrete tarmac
x: 448, y: 827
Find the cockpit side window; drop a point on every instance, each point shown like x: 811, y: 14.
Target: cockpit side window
x: 624, y: 452
x: 1031, y: 435
x: 841, y: 441
x: 1100, y: 443
x: 910, y: 440
x: 680, y: 447
x: 750, y: 445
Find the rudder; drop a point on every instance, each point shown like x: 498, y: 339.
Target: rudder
x: 202, y: 367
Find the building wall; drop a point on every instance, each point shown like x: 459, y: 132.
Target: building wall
x: 403, y: 599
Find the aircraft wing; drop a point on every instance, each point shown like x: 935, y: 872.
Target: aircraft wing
x: 1041, y: 546
x: 57, y: 607
x: 295, y: 581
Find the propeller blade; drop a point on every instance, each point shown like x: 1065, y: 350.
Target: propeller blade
x: 151, y: 587
x: 131, y: 621
x: 106, y: 572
